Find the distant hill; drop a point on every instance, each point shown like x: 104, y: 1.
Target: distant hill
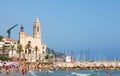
x: 55, y: 53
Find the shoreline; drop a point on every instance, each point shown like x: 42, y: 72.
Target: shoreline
x: 68, y: 67
x: 73, y: 66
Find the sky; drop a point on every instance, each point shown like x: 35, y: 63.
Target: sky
x: 67, y: 24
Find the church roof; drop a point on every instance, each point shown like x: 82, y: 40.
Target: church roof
x: 37, y: 19
x: 8, y: 39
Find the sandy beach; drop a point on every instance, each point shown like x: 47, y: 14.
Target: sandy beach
x: 22, y: 68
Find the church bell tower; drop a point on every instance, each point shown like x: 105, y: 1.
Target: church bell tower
x: 37, y: 29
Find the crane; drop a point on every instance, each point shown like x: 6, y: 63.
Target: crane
x: 9, y: 30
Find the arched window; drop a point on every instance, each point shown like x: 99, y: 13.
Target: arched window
x: 37, y: 29
x: 29, y: 42
x: 43, y: 52
x: 22, y: 50
x: 43, y: 47
x: 29, y: 51
x: 25, y: 51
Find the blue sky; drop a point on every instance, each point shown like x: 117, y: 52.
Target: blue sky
x: 67, y: 24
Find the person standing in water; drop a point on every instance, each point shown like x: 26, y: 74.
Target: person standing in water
x: 109, y: 73
x: 7, y: 71
x: 24, y: 71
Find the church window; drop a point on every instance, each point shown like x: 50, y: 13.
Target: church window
x: 37, y: 29
x: 29, y: 51
x: 29, y: 42
x: 43, y: 47
x: 43, y: 52
x: 25, y: 51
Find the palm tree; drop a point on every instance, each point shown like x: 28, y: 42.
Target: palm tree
x: 3, y: 49
x: 28, y: 46
x: 12, y: 47
x: 1, y: 37
x: 47, y: 57
x: 36, y: 49
x: 19, y: 47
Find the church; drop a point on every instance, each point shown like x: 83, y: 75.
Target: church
x: 33, y: 49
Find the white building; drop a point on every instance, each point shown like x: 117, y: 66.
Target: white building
x: 68, y: 59
x: 6, y: 44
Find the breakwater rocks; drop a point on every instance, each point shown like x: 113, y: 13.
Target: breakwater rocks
x: 88, y: 65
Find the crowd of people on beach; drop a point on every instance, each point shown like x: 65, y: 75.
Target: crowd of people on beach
x: 9, y: 67
x: 24, y: 67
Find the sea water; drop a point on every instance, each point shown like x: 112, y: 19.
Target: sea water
x: 71, y: 73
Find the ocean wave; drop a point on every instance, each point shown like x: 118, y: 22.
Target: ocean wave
x: 32, y: 73
x: 49, y: 71
x: 78, y: 74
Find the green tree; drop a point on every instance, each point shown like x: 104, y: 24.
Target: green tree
x: 4, y: 58
x: 28, y: 46
x: 19, y: 47
x: 3, y: 49
x: 47, y: 57
x: 12, y: 48
x: 1, y: 38
x: 36, y: 50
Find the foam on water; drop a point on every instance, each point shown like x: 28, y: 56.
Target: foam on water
x: 78, y: 74
x: 64, y: 73
x: 51, y: 71
x: 32, y: 73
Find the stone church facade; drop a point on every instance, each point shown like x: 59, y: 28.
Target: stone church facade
x: 33, y: 49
